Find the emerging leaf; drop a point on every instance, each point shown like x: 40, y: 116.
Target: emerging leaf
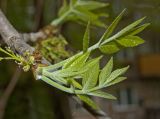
x: 102, y: 95
x: 124, y: 31
x: 74, y: 83
x: 64, y: 8
x: 91, y: 5
x: 111, y: 28
x: 92, y: 75
x: 70, y: 61
x: 88, y: 101
x: 81, y: 11
x: 115, y: 74
x: 117, y: 80
x: 80, y: 61
x: 106, y: 71
x: 138, y: 29
x: 110, y: 48
x: 130, y: 41
x: 86, y: 38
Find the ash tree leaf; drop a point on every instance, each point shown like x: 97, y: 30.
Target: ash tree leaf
x: 115, y: 74
x: 70, y: 61
x: 86, y: 38
x: 63, y: 8
x: 91, y: 5
x: 130, y: 41
x: 102, y: 95
x: 81, y: 12
x: 112, y: 27
x: 105, y: 72
x: 54, y: 77
x: 89, y: 65
x: 103, y: 15
x: 92, y: 76
x: 138, y: 29
x: 115, y: 81
x: 74, y: 83
x: 69, y: 72
x: 123, y: 31
x: 56, y: 85
x: 110, y: 48
x: 88, y: 101
x: 80, y: 61
x: 73, y: 2
x: 85, y: 15
x: 77, y: 61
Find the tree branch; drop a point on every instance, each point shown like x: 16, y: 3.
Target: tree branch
x: 33, y: 37
x: 11, y: 37
x: 43, y: 33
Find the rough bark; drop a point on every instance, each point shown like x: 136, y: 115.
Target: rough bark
x: 11, y: 37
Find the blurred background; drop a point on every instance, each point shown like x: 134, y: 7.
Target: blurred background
x: 138, y: 96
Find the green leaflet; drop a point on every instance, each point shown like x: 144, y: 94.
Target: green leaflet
x: 137, y: 29
x: 123, y: 31
x: 69, y: 72
x: 85, y: 15
x: 70, y: 61
x: 54, y: 84
x: 112, y: 27
x: 115, y: 46
x: 91, y: 5
x: 102, y: 95
x: 63, y: 8
x: 88, y: 101
x: 110, y: 48
x: 115, y: 74
x: 130, y: 41
x: 92, y: 76
x: 80, y: 11
x: 75, y: 83
x: 55, y: 66
x: 86, y: 39
x: 105, y: 72
x: 73, y: 2
x: 117, y: 80
x: 54, y: 77
x: 89, y: 65
x: 77, y: 62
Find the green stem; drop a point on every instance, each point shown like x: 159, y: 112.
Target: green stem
x: 5, y: 52
x: 54, y: 84
x: 61, y: 19
x: 12, y: 56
